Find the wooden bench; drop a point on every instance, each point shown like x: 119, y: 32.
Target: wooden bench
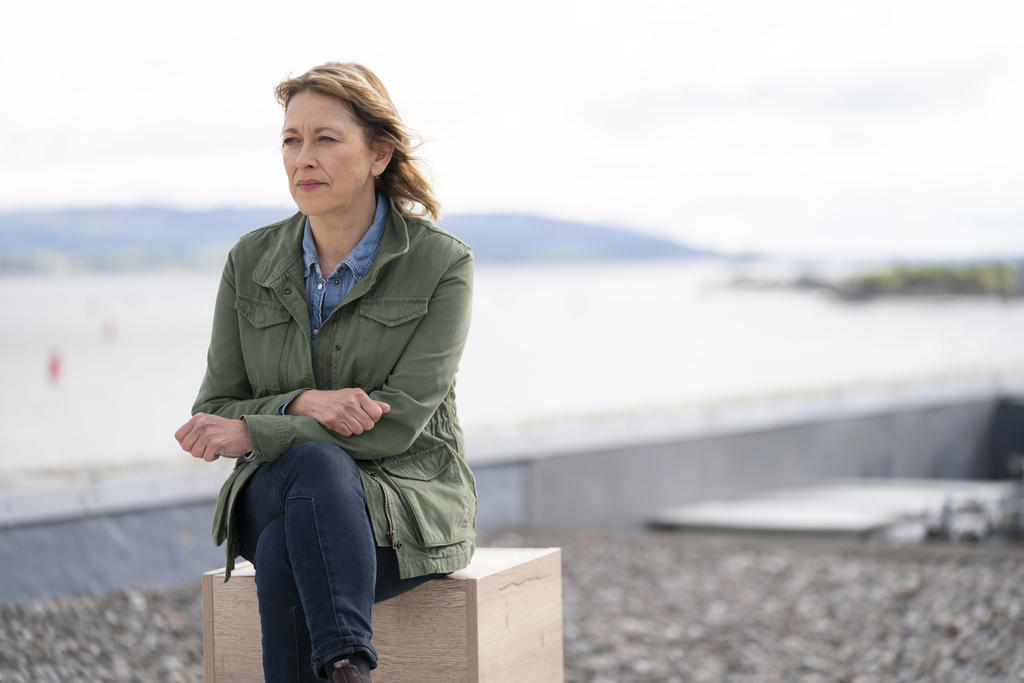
x: 493, y: 621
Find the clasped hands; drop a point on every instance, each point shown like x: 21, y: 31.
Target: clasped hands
x: 348, y: 412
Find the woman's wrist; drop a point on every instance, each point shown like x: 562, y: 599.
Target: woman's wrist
x: 297, y: 405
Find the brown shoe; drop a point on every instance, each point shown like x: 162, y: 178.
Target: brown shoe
x: 346, y: 672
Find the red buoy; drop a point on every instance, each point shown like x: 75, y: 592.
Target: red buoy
x: 56, y: 366
x: 109, y: 331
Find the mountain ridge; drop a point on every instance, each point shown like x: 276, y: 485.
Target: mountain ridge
x: 120, y: 236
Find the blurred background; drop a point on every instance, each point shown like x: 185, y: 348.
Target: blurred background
x: 717, y: 176
x: 721, y: 248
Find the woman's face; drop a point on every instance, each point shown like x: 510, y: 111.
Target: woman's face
x: 329, y: 164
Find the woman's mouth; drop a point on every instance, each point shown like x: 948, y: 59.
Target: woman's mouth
x: 309, y: 184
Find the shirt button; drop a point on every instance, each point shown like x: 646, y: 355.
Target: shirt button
x: 316, y: 332
x: 319, y: 285
x: 337, y: 282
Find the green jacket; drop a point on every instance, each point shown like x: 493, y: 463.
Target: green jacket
x: 398, y: 335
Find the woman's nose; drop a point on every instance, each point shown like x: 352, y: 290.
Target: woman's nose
x: 306, y: 158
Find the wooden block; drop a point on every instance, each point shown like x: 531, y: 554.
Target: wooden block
x: 493, y: 621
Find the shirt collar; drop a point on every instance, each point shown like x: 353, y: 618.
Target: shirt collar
x: 361, y: 257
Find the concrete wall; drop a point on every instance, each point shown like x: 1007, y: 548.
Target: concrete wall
x: 159, y: 546
x: 622, y: 487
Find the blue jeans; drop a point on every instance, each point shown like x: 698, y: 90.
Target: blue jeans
x: 302, y: 521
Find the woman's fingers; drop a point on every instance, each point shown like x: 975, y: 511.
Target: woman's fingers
x: 349, y: 412
x: 339, y: 425
x: 209, y: 436
x: 183, y: 430
x: 187, y: 436
x: 358, y: 421
x: 210, y: 453
x: 355, y: 410
x: 371, y: 410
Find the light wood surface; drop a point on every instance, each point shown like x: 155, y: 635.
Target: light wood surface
x: 208, y: 653
x: 423, y: 631
x: 236, y: 640
x: 519, y: 621
x: 493, y: 621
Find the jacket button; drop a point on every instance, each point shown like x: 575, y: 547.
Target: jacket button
x: 337, y: 347
x: 287, y: 290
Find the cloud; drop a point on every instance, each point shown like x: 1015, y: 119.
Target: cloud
x: 824, y: 125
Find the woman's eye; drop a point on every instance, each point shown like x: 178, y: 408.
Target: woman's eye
x: 289, y: 141
x: 327, y: 138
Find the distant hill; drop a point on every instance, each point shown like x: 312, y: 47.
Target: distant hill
x: 509, y: 237
x: 125, y: 237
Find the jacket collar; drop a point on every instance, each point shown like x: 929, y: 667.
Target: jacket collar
x: 282, y: 261
x: 394, y: 244
x: 283, y: 255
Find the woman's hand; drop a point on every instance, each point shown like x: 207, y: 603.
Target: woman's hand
x: 345, y: 411
x: 211, y: 436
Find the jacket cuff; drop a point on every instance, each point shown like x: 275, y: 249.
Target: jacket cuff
x: 285, y: 399
x: 284, y: 407
x: 270, y: 436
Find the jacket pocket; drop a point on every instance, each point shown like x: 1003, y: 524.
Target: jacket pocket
x: 394, y: 310
x: 264, y: 336
x: 379, y: 333
x: 261, y: 313
x: 433, y: 493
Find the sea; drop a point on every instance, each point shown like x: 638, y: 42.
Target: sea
x: 99, y: 369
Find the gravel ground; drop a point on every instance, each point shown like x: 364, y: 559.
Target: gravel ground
x: 644, y: 607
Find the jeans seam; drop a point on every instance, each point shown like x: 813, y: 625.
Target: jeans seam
x: 295, y: 642
x: 325, y: 562
x: 281, y: 488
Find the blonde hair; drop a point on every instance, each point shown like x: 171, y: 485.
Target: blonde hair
x: 359, y: 88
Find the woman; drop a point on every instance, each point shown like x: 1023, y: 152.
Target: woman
x: 330, y: 376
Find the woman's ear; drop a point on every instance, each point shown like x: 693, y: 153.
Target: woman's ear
x: 382, y: 152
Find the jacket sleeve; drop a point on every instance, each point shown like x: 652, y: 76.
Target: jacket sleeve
x: 419, y: 381
x: 225, y: 390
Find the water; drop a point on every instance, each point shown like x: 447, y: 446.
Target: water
x: 548, y: 344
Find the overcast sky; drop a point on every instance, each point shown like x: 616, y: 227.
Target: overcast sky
x: 807, y: 128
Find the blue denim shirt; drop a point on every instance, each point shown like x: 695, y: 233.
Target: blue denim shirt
x: 324, y: 294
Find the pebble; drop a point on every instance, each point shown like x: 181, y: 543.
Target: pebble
x: 720, y: 608
x: 658, y: 607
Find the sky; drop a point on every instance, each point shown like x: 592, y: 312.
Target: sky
x: 833, y: 129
